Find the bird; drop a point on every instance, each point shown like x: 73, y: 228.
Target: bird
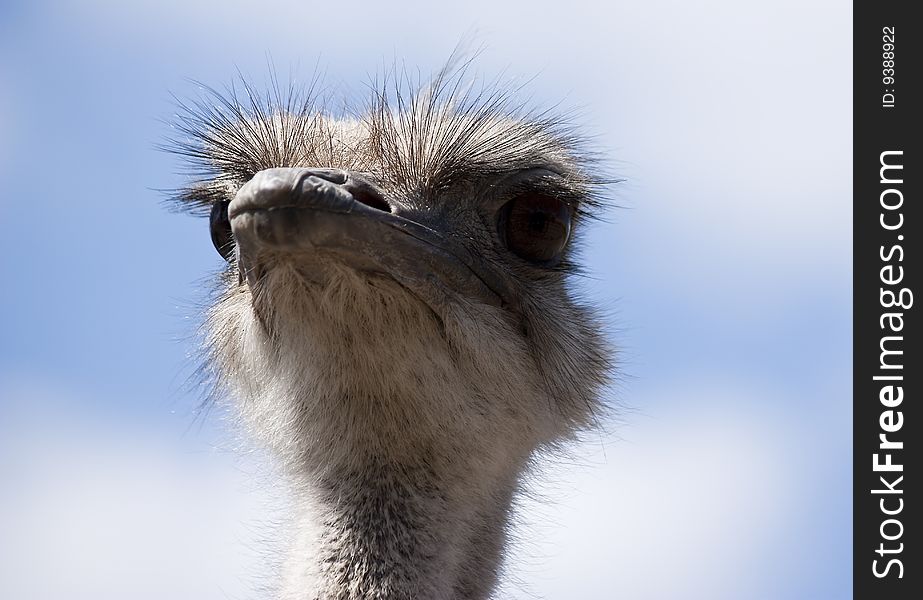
x: 396, y: 319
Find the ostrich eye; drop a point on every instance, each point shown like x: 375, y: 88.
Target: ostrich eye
x: 535, y: 226
x: 221, y: 230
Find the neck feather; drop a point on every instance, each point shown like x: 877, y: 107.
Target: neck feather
x: 389, y: 532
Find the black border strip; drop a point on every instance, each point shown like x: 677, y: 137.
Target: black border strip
x: 887, y: 369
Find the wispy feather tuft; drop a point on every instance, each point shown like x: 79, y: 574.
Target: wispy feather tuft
x: 417, y: 138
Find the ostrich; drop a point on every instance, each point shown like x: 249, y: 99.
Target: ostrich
x: 395, y: 321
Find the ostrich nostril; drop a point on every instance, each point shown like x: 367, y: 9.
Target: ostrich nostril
x: 367, y: 193
x: 370, y: 197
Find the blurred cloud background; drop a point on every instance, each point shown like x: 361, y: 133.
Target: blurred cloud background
x: 729, y: 274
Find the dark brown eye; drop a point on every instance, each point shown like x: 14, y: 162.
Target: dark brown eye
x: 535, y: 226
x: 220, y: 226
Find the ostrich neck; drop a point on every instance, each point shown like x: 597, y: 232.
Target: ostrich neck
x: 380, y: 530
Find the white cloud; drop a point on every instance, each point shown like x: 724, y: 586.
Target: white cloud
x: 98, y: 510
x: 687, y: 505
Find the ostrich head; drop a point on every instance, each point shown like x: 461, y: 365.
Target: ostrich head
x: 395, y: 320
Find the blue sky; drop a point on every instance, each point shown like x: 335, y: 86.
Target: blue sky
x: 728, y: 275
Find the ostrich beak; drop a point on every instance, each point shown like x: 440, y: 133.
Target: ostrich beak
x: 323, y: 214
